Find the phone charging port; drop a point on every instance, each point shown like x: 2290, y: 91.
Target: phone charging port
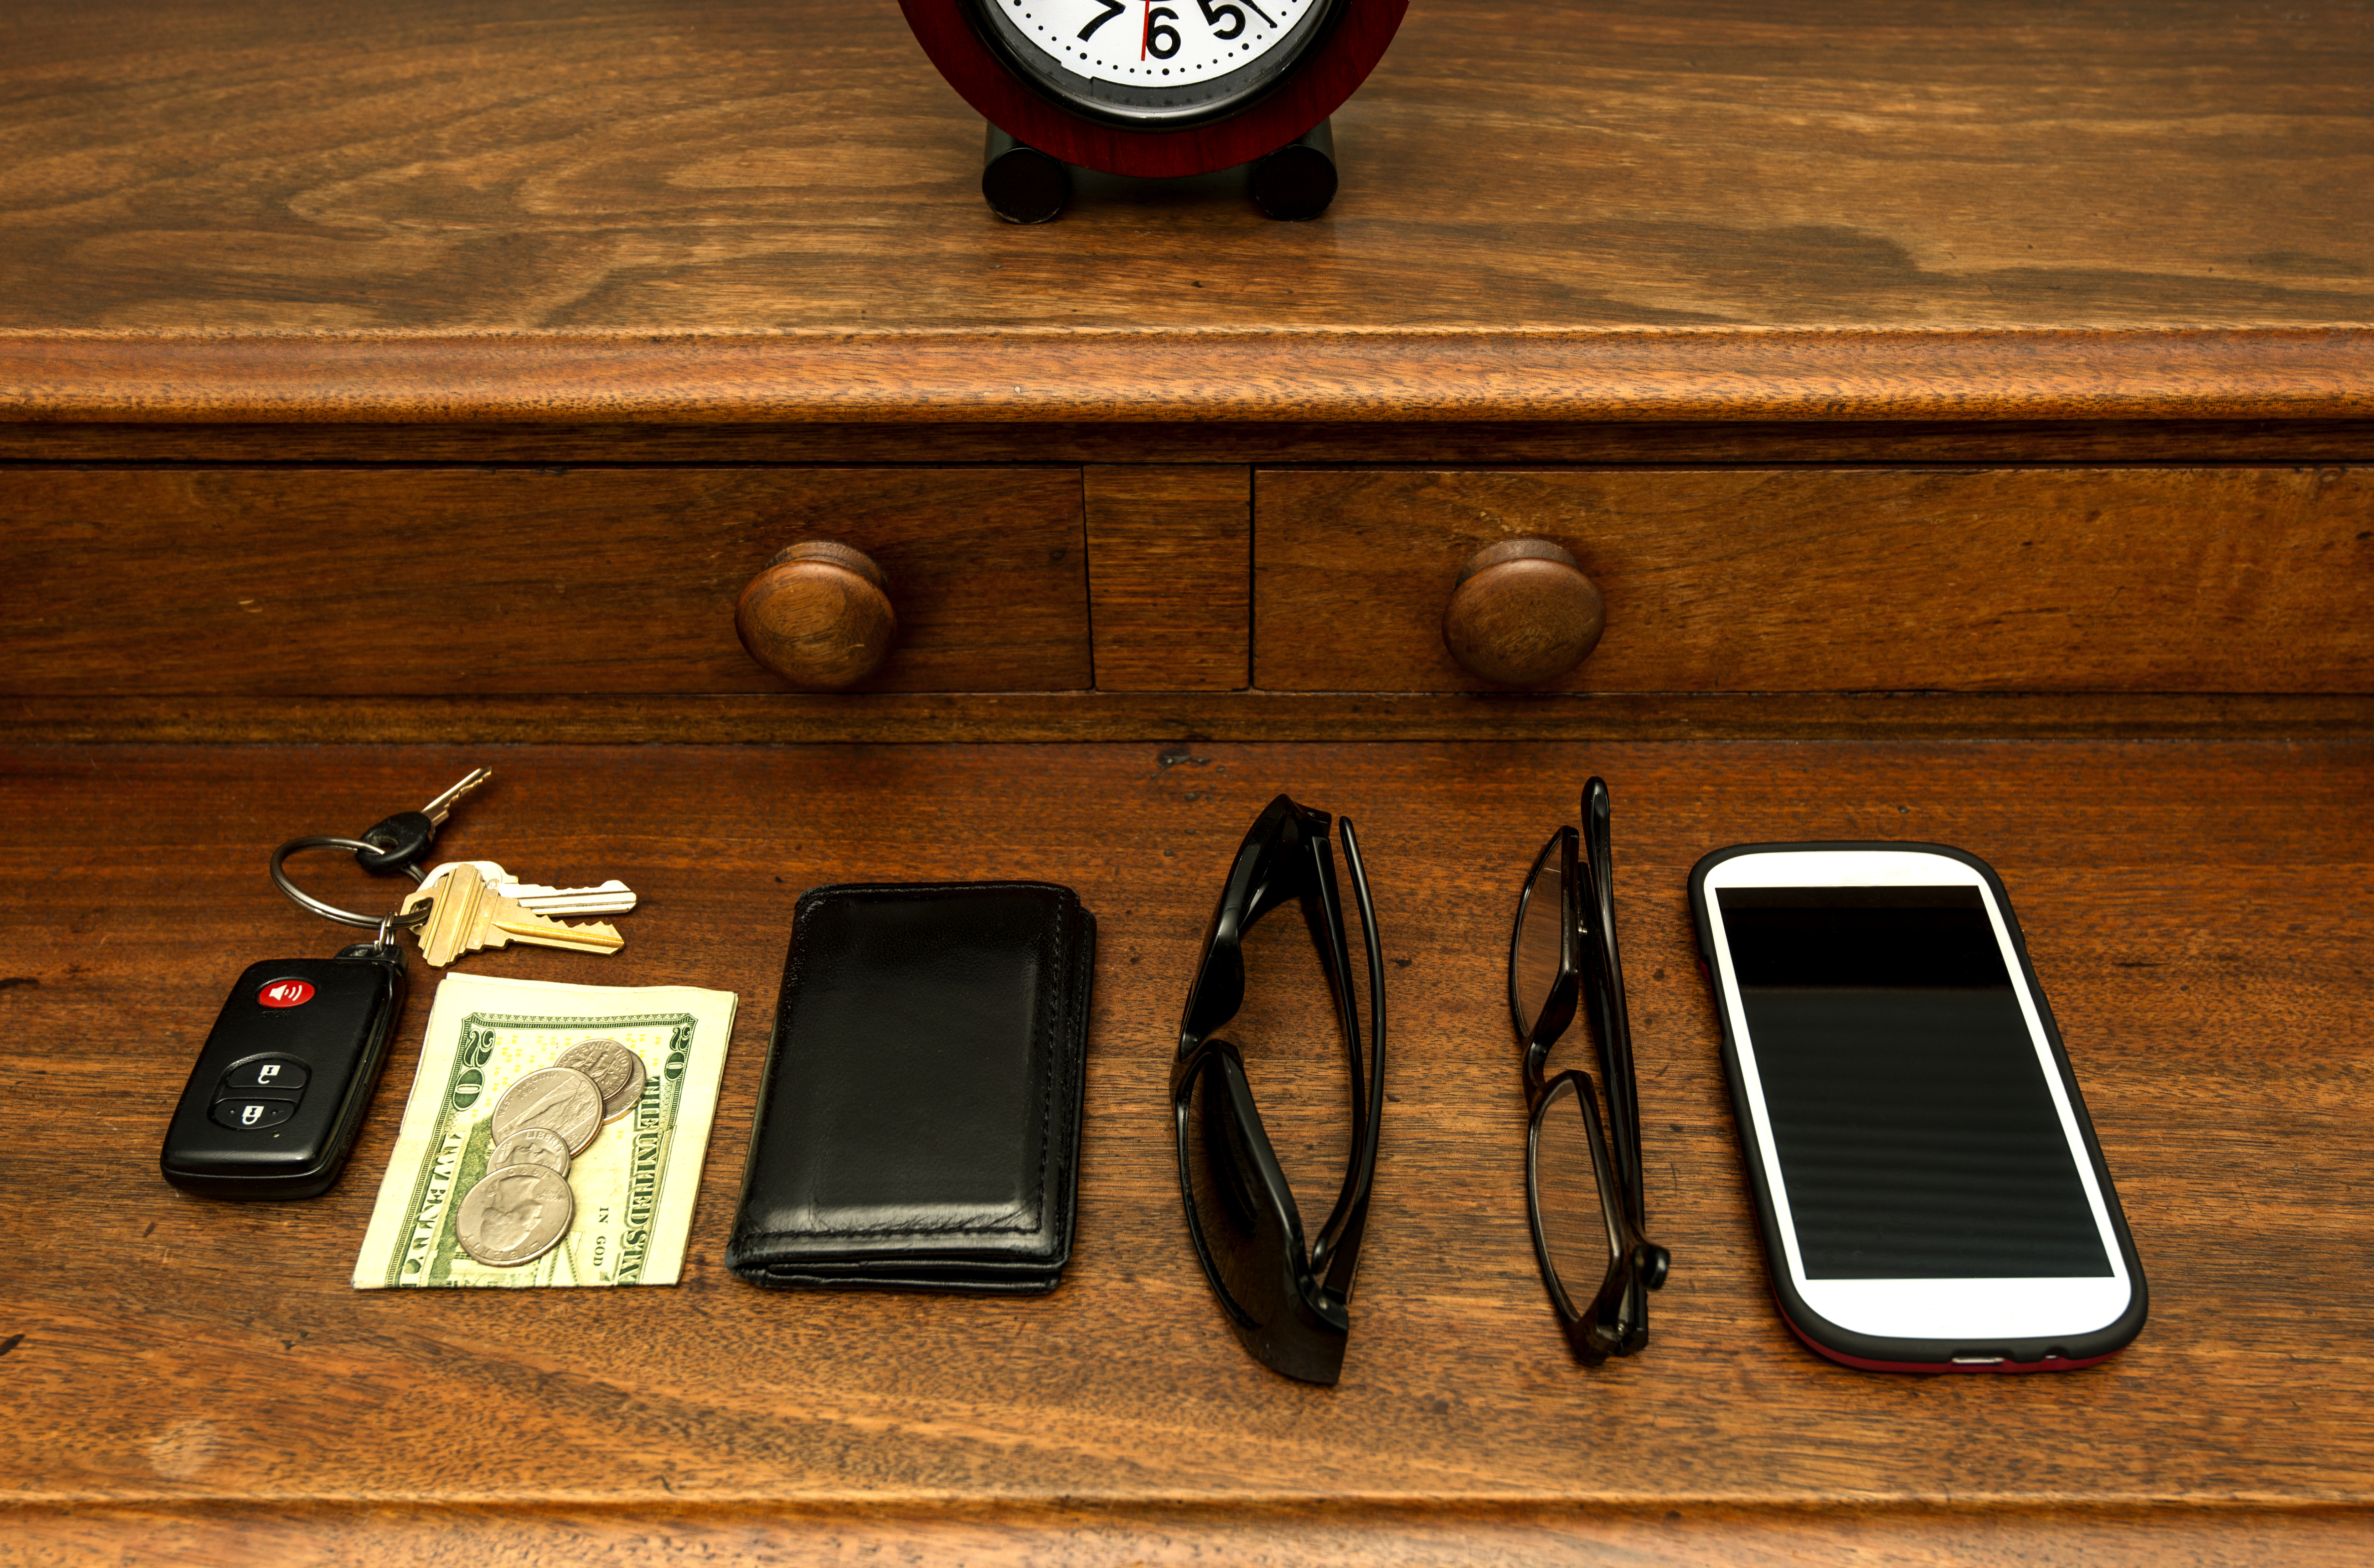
x: 1980, y: 1361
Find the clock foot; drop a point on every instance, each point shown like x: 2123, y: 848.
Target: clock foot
x: 1297, y: 180
x: 1023, y: 184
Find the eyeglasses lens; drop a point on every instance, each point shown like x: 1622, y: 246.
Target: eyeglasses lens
x: 1533, y: 972
x: 1574, y: 1223
x: 1241, y: 1229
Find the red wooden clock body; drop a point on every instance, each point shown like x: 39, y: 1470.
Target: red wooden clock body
x: 1313, y: 89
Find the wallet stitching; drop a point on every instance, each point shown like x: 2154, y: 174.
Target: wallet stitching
x: 1066, y: 902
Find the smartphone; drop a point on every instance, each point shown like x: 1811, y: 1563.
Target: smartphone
x: 1927, y: 1182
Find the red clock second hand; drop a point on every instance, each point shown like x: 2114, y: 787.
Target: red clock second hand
x: 1145, y: 33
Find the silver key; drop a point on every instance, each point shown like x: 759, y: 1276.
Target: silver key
x: 439, y: 808
x: 612, y: 897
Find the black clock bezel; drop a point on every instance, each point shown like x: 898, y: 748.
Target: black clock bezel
x: 1152, y: 108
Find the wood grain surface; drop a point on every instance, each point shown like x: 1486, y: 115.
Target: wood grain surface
x: 327, y: 582
x: 1188, y: 1536
x: 1182, y: 716
x: 200, y: 1374
x: 1033, y: 372
x: 1171, y: 576
x: 261, y: 212
x: 312, y: 583
x: 2038, y: 580
x: 1274, y: 441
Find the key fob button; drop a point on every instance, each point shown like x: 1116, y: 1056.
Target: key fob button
x: 246, y: 1115
x: 271, y: 1073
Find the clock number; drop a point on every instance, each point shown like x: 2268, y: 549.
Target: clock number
x: 1157, y: 31
x: 1212, y: 15
x: 1111, y: 9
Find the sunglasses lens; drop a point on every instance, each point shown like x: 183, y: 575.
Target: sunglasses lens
x: 1243, y: 1240
x: 1533, y: 965
x: 1574, y: 1223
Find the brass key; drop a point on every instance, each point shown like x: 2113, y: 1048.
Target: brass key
x: 467, y: 915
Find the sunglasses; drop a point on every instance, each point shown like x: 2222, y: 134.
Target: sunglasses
x: 1289, y: 1302
x: 1583, y: 1180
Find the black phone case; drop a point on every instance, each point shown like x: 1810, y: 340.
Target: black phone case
x: 1870, y: 1351
x: 918, y: 1124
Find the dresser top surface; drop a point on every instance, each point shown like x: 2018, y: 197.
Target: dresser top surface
x: 625, y: 171
x: 627, y: 164
x: 181, y: 1355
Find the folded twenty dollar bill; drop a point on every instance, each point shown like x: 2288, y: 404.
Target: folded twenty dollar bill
x: 627, y: 1206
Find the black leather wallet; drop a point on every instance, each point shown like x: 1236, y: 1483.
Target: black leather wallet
x: 918, y: 1124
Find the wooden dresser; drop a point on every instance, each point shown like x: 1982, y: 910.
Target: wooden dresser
x: 1966, y: 413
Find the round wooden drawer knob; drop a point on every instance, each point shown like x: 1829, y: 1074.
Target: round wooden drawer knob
x: 819, y: 616
x: 1523, y: 613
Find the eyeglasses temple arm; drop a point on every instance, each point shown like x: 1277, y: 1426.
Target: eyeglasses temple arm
x: 1615, y: 1018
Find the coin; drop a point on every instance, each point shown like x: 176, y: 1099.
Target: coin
x: 616, y: 1068
x: 561, y: 1099
x: 606, y: 1062
x: 531, y: 1146
x: 514, y: 1215
x: 614, y: 1104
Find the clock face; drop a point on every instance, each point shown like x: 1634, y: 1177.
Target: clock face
x: 1154, y: 64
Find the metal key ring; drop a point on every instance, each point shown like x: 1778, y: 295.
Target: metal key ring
x: 331, y: 912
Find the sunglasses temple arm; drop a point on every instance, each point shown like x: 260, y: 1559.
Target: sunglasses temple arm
x: 1339, y: 1243
x: 1334, y: 949
x: 1322, y: 912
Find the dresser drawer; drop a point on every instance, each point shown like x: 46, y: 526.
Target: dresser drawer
x: 330, y: 582
x: 1807, y: 580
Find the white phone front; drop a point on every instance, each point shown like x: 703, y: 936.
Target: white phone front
x: 1931, y: 1191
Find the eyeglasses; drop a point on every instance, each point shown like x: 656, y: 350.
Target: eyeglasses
x: 1288, y: 1304
x: 1586, y: 1204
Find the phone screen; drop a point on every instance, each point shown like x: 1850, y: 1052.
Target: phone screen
x: 1915, y: 1129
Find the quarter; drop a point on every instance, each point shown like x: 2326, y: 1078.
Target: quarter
x: 561, y: 1099
x: 616, y: 1068
x: 514, y: 1215
x: 531, y: 1146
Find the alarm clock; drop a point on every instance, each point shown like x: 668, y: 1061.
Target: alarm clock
x: 1156, y: 88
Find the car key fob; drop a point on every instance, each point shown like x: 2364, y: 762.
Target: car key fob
x: 276, y: 1096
